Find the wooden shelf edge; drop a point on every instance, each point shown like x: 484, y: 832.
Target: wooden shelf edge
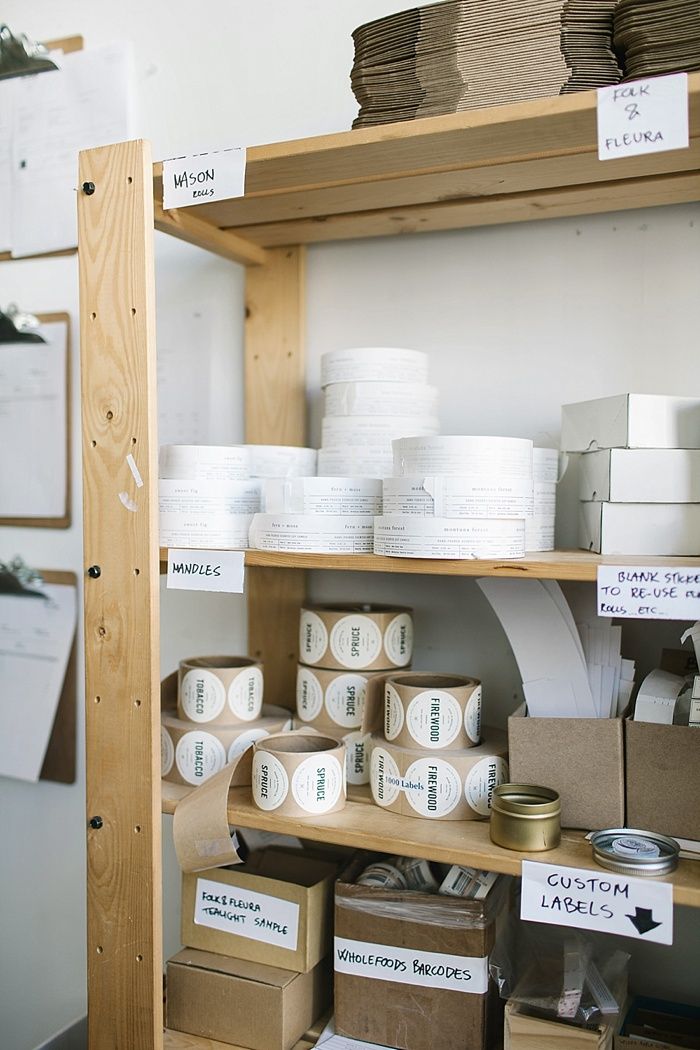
x: 185, y: 226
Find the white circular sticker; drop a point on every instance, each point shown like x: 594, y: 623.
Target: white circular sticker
x: 472, y: 716
x: 434, y: 718
x: 384, y: 777
x: 356, y: 641
x: 270, y: 781
x: 167, y: 752
x: 244, y: 741
x: 398, y: 640
x: 309, y: 695
x: 393, y: 713
x: 345, y: 700
x: 317, y: 783
x: 631, y: 846
x: 357, y: 756
x: 481, y: 779
x: 313, y: 637
x: 433, y: 787
x: 245, y: 694
x: 199, y: 756
x: 202, y: 695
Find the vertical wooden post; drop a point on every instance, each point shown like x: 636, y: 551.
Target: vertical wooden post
x: 275, y: 398
x: 120, y: 499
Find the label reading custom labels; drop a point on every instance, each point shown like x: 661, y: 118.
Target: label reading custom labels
x: 195, y: 570
x: 256, y: 916
x: 590, y: 900
x: 383, y: 962
x: 643, y: 116
x: 204, y: 177
x: 649, y: 593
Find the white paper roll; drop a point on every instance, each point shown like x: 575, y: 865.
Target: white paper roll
x: 281, y: 461
x: 340, y: 495
x: 454, y: 496
x: 374, y: 364
x: 545, y: 465
x: 409, y: 536
x: 365, y: 461
x: 313, y: 534
x: 204, y: 462
x: 466, y: 455
x: 389, y: 398
x: 207, y: 514
x: 374, y: 430
x: 539, y: 529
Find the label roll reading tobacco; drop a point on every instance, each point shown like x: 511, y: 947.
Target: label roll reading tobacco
x: 299, y: 774
x: 433, y: 711
x: 356, y: 637
x: 223, y: 690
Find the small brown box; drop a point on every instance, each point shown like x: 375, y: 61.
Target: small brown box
x: 522, y: 1032
x: 234, y: 1001
x: 377, y: 930
x: 276, y: 909
x: 581, y: 758
x: 663, y: 778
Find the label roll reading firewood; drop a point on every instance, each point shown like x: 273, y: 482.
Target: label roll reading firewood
x: 434, y: 711
x: 356, y: 637
x: 220, y: 689
x: 299, y: 774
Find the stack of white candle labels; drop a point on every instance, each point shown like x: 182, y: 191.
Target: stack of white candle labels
x: 457, y: 497
x: 208, y: 494
x: 372, y: 396
x: 539, y: 528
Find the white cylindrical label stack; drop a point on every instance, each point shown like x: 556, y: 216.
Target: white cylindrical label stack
x: 539, y: 527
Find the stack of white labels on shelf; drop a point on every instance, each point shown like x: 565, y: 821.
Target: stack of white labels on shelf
x: 372, y: 395
x: 539, y: 528
x: 208, y: 494
x: 457, y: 497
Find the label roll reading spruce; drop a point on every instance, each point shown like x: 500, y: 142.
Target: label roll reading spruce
x: 223, y: 690
x: 299, y: 774
x: 440, y: 785
x: 356, y: 637
x: 190, y: 754
x: 328, y: 699
x: 433, y: 711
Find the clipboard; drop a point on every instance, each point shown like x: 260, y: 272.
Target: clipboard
x: 61, y: 521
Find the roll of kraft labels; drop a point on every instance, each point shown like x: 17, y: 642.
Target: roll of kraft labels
x: 191, y: 755
x: 374, y: 364
x: 299, y: 774
x: 411, y: 536
x: 358, y: 749
x: 281, y: 461
x: 220, y: 689
x: 356, y: 637
x: 434, y: 711
x: 459, y: 496
x: 313, y: 534
x: 388, y: 398
x: 369, y: 461
x: 545, y: 465
x: 373, y: 430
x: 331, y: 698
x: 451, y: 785
x: 463, y: 455
x: 204, y: 462
x: 341, y: 495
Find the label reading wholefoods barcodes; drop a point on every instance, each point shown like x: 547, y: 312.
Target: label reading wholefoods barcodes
x: 383, y: 962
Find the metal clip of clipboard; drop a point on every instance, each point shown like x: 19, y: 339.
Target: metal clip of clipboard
x: 20, y: 56
x: 18, y: 579
x: 18, y: 326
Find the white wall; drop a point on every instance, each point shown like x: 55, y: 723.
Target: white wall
x: 517, y: 320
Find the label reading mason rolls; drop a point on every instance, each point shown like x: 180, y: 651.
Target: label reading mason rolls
x: 246, y: 913
x: 383, y: 962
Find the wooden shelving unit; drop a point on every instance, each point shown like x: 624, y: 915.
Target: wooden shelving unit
x: 508, y: 164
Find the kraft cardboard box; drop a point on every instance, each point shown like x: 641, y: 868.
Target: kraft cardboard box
x: 411, y: 969
x: 581, y: 758
x: 523, y: 1032
x: 659, y: 1023
x: 663, y: 778
x: 276, y: 909
x: 241, y: 1002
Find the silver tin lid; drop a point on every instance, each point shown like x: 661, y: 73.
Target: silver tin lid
x: 632, y: 852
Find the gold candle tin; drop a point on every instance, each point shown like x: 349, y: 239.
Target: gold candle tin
x: 525, y: 817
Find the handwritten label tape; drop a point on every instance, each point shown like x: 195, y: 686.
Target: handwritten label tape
x: 331, y: 698
x: 203, y: 177
x: 342, y: 495
x: 455, y: 496
x: 246, y: 913
x: 411, y: 536
x: 388, y: 398
x: 373, y: 430
x: 448, y: 785
x: 313, y: 534
x: 433, y: 711
x: 463, y: 455
x: 374, y: 364
x: 649, y: 592
x: 384, y: 962
x: 369, y: 461
x: 299, y: 774
x: 356, y: 637
x: 204, y: 462
x: 220, y: 689
x: 210, y: 570
x: 643, y: 116
x: 281, y: 461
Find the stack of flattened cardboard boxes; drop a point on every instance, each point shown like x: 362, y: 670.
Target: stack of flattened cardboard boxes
x: 254, y: 972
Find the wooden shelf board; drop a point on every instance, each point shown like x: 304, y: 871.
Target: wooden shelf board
x: 546, y: 565
x: 366, y: 826
x: 528, y: 160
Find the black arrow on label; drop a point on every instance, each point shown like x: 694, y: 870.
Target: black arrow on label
x: 643, y: 921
